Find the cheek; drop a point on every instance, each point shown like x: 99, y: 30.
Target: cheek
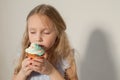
x: 49, y: 42
x: 31, y: 38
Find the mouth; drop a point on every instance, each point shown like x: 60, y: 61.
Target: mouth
x: 42, y: 46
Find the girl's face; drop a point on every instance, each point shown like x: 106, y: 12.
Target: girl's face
x: 41, y: 31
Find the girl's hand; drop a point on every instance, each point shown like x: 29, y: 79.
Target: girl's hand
x: 26, y: 68
x: 42, y: 65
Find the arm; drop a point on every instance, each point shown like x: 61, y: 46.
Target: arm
x: 71, y: 72
x: 55, y: 75
x: 19, y: 76
x: 25, y: 70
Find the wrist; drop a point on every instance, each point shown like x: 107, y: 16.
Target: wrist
x: 21, y: 76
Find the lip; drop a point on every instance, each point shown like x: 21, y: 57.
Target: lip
x: 42, y: 46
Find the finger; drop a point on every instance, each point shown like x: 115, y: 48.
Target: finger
x: 39, y: 60
x: 42, y: 69
x: 37, y: 69
x: 27, y: 70
x: 45, y: 55
x: 26, y: 62
x: 36, y: 63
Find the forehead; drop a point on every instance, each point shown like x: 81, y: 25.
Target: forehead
x: 39, y: 21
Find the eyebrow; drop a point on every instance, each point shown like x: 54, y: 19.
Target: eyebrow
x: 31, y: 28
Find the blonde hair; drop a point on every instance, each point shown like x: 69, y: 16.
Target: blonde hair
x: 61, y: 48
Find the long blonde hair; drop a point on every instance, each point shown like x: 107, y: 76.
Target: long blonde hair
x: 61, y: 48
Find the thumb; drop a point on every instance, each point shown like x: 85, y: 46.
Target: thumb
x: 45, y: 56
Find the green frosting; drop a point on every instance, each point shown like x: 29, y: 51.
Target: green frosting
x: 35, y: 49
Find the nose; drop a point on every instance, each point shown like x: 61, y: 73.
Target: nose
x: 39, y: 38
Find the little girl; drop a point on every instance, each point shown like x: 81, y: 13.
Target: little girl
x: 46, y: 27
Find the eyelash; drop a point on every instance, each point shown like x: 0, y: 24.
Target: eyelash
x: 43, y: 32
x: 32, y: 32
x: 46, y: 32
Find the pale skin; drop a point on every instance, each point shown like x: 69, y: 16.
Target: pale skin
x: 42, y: 32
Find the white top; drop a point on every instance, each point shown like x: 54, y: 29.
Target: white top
x: 61, y: 67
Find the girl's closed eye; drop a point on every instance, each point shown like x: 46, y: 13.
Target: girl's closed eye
x: 32, y: 32
x: 46, y: 32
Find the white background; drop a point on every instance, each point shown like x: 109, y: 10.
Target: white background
x: 93, y: 27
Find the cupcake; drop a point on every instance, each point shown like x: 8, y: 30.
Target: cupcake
x: 34, y: 51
